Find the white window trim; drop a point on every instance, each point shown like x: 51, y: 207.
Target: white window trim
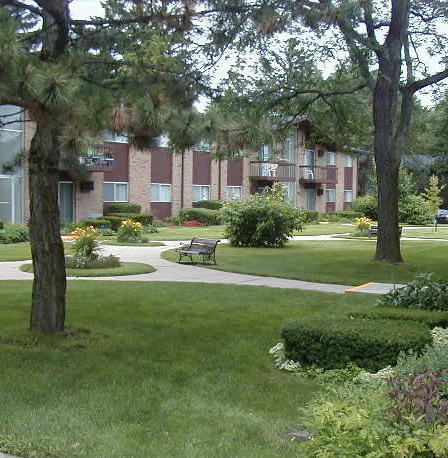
x: 161, y: 184
x: 234, y: 187
x: 201, y: 186
x: 351, y: 191
x: 115, y: 193
x: 332, y: 154
x: 352, y: 160
x: 326, y: 198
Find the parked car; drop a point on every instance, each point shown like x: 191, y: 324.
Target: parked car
x: 442, y: 217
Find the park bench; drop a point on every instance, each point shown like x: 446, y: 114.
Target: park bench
x: 201, y: 247
x: 373, y: 231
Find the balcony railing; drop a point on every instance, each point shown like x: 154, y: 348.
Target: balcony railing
x: 272, y: 171
x: 316, y: 174
x: 98, y: 158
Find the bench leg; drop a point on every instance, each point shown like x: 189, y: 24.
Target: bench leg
x: 182, y: 255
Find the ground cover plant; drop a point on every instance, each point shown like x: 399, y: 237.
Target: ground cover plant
x: 347, y: 262
x: 102, y: 270
x: 168, y: 377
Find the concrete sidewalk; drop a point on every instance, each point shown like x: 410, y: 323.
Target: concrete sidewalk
x: 173, y: 272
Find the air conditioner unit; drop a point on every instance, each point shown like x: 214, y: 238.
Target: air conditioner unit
x: 87, y: 186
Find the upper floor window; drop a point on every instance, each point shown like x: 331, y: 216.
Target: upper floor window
x: 160, y: 192
x: 234, y: 192
x: 331, y: 157
x: 348, y: 160
x: 266, y: 153
x: 290, y: 146
x: 116, y: 192
x: 201, y: 192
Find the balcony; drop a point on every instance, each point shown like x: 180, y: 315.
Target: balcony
x: 98, y: 158
x: 272, y: 171
x: 316, y: 174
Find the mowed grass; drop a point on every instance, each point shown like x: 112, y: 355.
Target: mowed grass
x: 427, y: 232
x: 326, y: 229
x: 15, y: 251
x: 164, y: 370
x: 346, y: 262
x: 126, y: 268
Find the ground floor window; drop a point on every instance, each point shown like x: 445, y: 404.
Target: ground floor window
x: 201, y: 192
x: 116, y: 192
x: 234, y: 192
x: 66, y: 198
x: 160, y: 192
x: 348, y: 195
x: 330, y: 195
x: 11, y: 199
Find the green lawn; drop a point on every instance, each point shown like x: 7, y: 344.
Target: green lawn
x: 15, y: 252
x: 346, y: 262
x: 326, y: 229
x: 126, y: 268
x: 427, y: 232
x: 187, y: 233
x: 164, y: 370
x: 113, y: 241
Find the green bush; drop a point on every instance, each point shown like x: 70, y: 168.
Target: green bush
x: 310, y: 216
x: 131, y: 231
x: 347, y: 216
x: 99, y: 223
x: 211, y: 204
x: 413, y: 209
x: 333, y: 343
x: 122, y: 207
x: 114, y: 221
x: 203, y: 215
x: 431, y: 319
x: 366, y: 206
x: 421, y: 293
x: 14, y: 233
x: 263, y: 220
x: 145, y: 219
x: 2, y: 226
x: 99, y: 262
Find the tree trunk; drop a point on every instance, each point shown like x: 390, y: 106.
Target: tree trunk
x: 48, y: 299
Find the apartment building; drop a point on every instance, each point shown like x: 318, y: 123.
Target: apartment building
x: 162, y: 182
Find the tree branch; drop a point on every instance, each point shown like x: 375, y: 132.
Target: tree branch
x: 425, y: 82
x: 18, y: 4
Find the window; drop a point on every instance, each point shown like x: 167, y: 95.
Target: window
x: 160, y: 192
x: 11, y: 129
x: 202, y: 146
x: 266, y: 153
x: 348, y: 160
x: 331, y: 158
x: 113, y: 137
x: 290, y: 146
x: 234, y: 192
x: 116, y: 192
x: 201, y: 192
x: 330, y: 195
x: 348, y: 196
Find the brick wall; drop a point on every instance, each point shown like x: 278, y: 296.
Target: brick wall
x: 140, y: 178
x: 90, y: 204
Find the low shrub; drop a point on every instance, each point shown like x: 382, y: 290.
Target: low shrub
x: 130, y: 231
x: 413, y: 209
x: 2, y: 226
x: 310, y: 216
x: 332, y: 343
x: 100, y: 262
x: 145, y: 219
x: 421, y: 293
x: 114, y: 221
x: 263, y: 220
x: 347, y: 216
x: 367, y: 206
x: 99, y: 223
x: 363, y: 225
x: 85, y: 241
x: 122, y: 207
x: 431, y: 319
x: 211, y: 204
x: 14, y: 233
x: 203, y: 215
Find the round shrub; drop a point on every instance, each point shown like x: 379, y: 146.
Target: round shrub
x: 14, y: 233
x: 263, y: 220
x: 203, y: 215
x: 366, y: 205
x: 130, y: 231
x: 413, y: 209
x: 332, y: 343
x: 123, y: 207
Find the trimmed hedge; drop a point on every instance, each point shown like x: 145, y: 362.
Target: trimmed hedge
x: 343, y: 216
x: 203, y: 215
x: 145, y: 219
x: 333, y: 343
x: 14, y: 233
x: 100, y: 223
x: 123, y: 207
x: 310, y: 216
x: 431, y: 319
x: 211, y: 204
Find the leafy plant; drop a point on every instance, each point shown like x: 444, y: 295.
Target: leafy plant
x: 203, y: 215
x: 414, y: 209
x: 123, y: 207
x: 423, y: 292
x: 14, y: 233
x: 130, y: 231
x: 366, y: 205
x: 263, y: 220
x: 363, y: 224
x: 211, y: 204
x: 86, y: 241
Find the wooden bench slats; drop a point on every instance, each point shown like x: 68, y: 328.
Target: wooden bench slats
x: 199, y: 246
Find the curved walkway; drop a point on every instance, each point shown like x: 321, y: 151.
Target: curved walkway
x: 173, y: 272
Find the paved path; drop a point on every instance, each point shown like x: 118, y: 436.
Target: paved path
x: 173, y: 272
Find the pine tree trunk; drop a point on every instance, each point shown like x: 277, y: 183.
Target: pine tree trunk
x: 48, y: 298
